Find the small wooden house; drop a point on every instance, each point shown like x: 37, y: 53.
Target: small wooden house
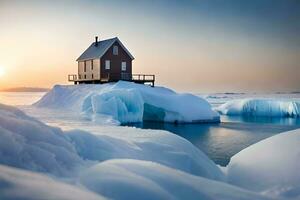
x: 107, y: 61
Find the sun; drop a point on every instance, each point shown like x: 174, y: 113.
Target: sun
x: 2, y: 71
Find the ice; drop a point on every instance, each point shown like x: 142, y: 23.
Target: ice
x: 21, y: 184
x: 261, y: 108
x: 270, y: 166
x: 136, y: 163
x: 129, y: 102
x: 29, y: 144
x: 123, y: 105
x: 136, y: 179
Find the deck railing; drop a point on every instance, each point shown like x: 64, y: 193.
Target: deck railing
x: 116, y: 76
x: 72, y: 77
x: 143, y: 77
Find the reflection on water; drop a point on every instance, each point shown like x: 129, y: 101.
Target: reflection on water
x: 220, y: 141
x: 262, y: 120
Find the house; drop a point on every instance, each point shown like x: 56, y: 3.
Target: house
x: 107, y: 61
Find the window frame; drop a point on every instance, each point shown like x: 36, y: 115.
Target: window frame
x: 107, y: 67
x: 84, y: 66
x: 123, y: 68
x: 115, y: 50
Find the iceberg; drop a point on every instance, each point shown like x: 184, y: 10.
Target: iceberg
x: 261, y: 108
x: 129, y: 102
x: 270, y: 166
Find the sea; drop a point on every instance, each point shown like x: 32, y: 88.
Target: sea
x: 220, y: 141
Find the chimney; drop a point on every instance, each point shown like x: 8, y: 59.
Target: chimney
x: 96, y: 41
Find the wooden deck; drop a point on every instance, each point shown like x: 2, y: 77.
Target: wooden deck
x: 136, y: 78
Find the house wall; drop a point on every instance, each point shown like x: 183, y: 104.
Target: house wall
x: 115, y: 62
x: 90, y: 72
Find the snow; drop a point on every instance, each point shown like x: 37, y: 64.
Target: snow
x: 261, y: 108
x: 21, y: 184
x: 136, y: 179
x: 129, y: 102
x: 157, y: 146
x: 136, y: 164
x: 26, y: 142
x: 270, y: 166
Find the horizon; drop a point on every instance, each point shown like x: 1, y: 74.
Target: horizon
x: 44, y: 89
x: 195, y: 46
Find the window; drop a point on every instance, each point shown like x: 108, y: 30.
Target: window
x: 115, y: 50
x: 84, y: 66
x: 92, y: 65
x: 107, y: 64
x: 79, y: 76
x: 123, y: 66
x: 85, y: 76
x: 92, y: 76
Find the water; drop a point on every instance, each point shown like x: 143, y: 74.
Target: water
x: 20, y: 98
x: 219, y: 141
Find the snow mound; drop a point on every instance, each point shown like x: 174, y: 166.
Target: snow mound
x: 136, y: 179
x: 157, y: 146
x: 270, y: 166
x: 21, y: 184
x: 261, y: 108
x: 29, y: 144
x: 129, y: 102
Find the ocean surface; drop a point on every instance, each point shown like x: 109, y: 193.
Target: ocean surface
x: 219, y: 141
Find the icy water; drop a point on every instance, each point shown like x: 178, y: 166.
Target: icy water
x: 223, y: 140
x: 219, y: 141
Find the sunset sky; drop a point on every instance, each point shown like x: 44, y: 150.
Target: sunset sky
x: 197, y: 45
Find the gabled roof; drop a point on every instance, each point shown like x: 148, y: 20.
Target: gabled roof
x: 98, y: 51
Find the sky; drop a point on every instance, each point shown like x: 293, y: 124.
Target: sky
x: 196, y: 45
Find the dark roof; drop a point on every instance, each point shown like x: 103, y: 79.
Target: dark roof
x: 98, y: 51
